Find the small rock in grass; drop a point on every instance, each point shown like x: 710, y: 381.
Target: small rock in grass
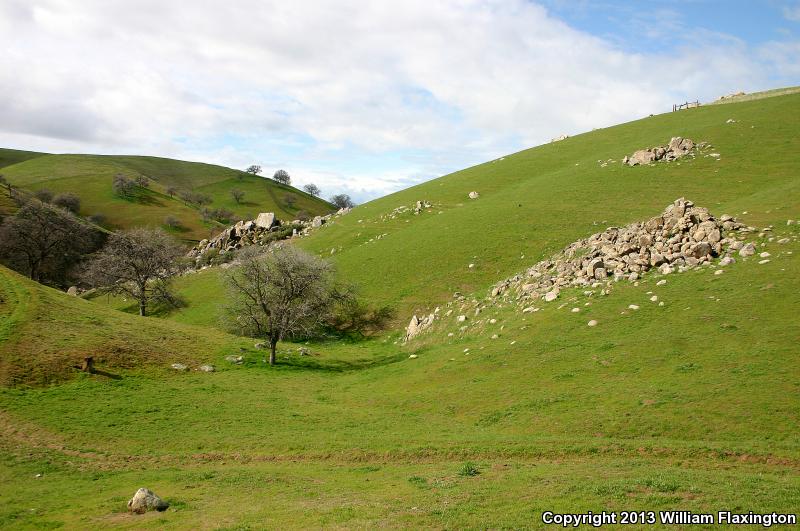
x: 765, y: 261
x: 633, y: 307
x: 661, y: 282
x: 412, y: 357
x: 661, y: 303
x: 179, y: 367
x: 728, y: 260
x: 719, y: 272
x: 765, y: 254
x: 783, y: 240
x: 207, y: 368
x: 495, y: 336
x: 747, y: 250
x: 146, y: 500
x: 461, y: 318
x: 576, y: 310
x: 592, y: 323
x: 654, y: 298
x: 234, y: 359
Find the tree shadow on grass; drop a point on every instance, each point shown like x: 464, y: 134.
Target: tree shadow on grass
x: 313, y: 363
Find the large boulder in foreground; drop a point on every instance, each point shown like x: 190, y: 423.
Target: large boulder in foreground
x: 146, y: 500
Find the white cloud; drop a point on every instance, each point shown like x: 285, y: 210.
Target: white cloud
x: 792, y: 13
x: 444, y: 83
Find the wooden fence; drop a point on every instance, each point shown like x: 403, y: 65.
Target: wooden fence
x: 687, y: 105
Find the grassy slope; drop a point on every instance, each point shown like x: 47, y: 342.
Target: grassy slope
x: 690, y: 406
x: 44, y: 333
x: 535, y: 202
x: 13, y: 156
x: 89, y: 176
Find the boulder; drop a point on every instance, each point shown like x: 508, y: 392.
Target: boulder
x: 179, y: 367
x: 266, y: 220
x: 73, y: 291
x: 146, y: 500
x: 748, y: 249
x: 234, y: 359
x: 551, y: 295
x: 643, y: 156
x: 474, y: 195
x: 207, y: 368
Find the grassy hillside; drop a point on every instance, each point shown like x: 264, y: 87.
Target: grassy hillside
x: 692, y: 405
x: 13, y: 156
x: 90, y: 177
x: 535, y: 202
x: 44, y: 333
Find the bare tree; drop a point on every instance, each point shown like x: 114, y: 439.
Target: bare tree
x: 68, y: 201
x: 139, y: 263
x: 142, y: 181
x: 282, y: 293
x: 171, y: 191
x: 290, y: 200
x: 237, y: 195
x: 282, y: 176
x: 312, y: 189
x: 342, y: 201
x: 172, y: 222
x: 255, y: 169
x: 123, y: 186
x: 42, y: 239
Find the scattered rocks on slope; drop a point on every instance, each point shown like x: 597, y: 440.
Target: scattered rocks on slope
x: 180, y: 367
x: 207, y: 368
x: 677, y: 148
x: 684, y: 236
x: 146, y: 500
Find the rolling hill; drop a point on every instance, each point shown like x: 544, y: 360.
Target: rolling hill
x: 689, y: 405
x: 90, y: 177
x: 536, y: 202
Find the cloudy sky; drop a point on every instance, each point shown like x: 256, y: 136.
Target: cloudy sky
x: 367, y: 97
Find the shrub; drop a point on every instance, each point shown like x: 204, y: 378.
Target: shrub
x: 468, y: 469
x: 68, y: 201
x: 172, y: 222
x: 44, y: 195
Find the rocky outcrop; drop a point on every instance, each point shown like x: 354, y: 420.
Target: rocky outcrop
x: 263, y: 230
x: 678, y: 147
x: 146, y: 500
x: 682, y: 237
x: 416, y: 326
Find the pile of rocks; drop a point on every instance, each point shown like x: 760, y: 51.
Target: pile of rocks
x: 266, y: 228
x: 677, y: 148
x: 417, y: 326
x: 684, y: 236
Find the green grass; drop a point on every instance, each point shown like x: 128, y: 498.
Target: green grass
x: 13, y: 156
x: 90, y: 177
x: 692, y: 405
x: 535, y: 202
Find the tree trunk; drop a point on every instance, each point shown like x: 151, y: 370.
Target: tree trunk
x: 88, y: 364
x: 273, y: 344
x: 142, y: 308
